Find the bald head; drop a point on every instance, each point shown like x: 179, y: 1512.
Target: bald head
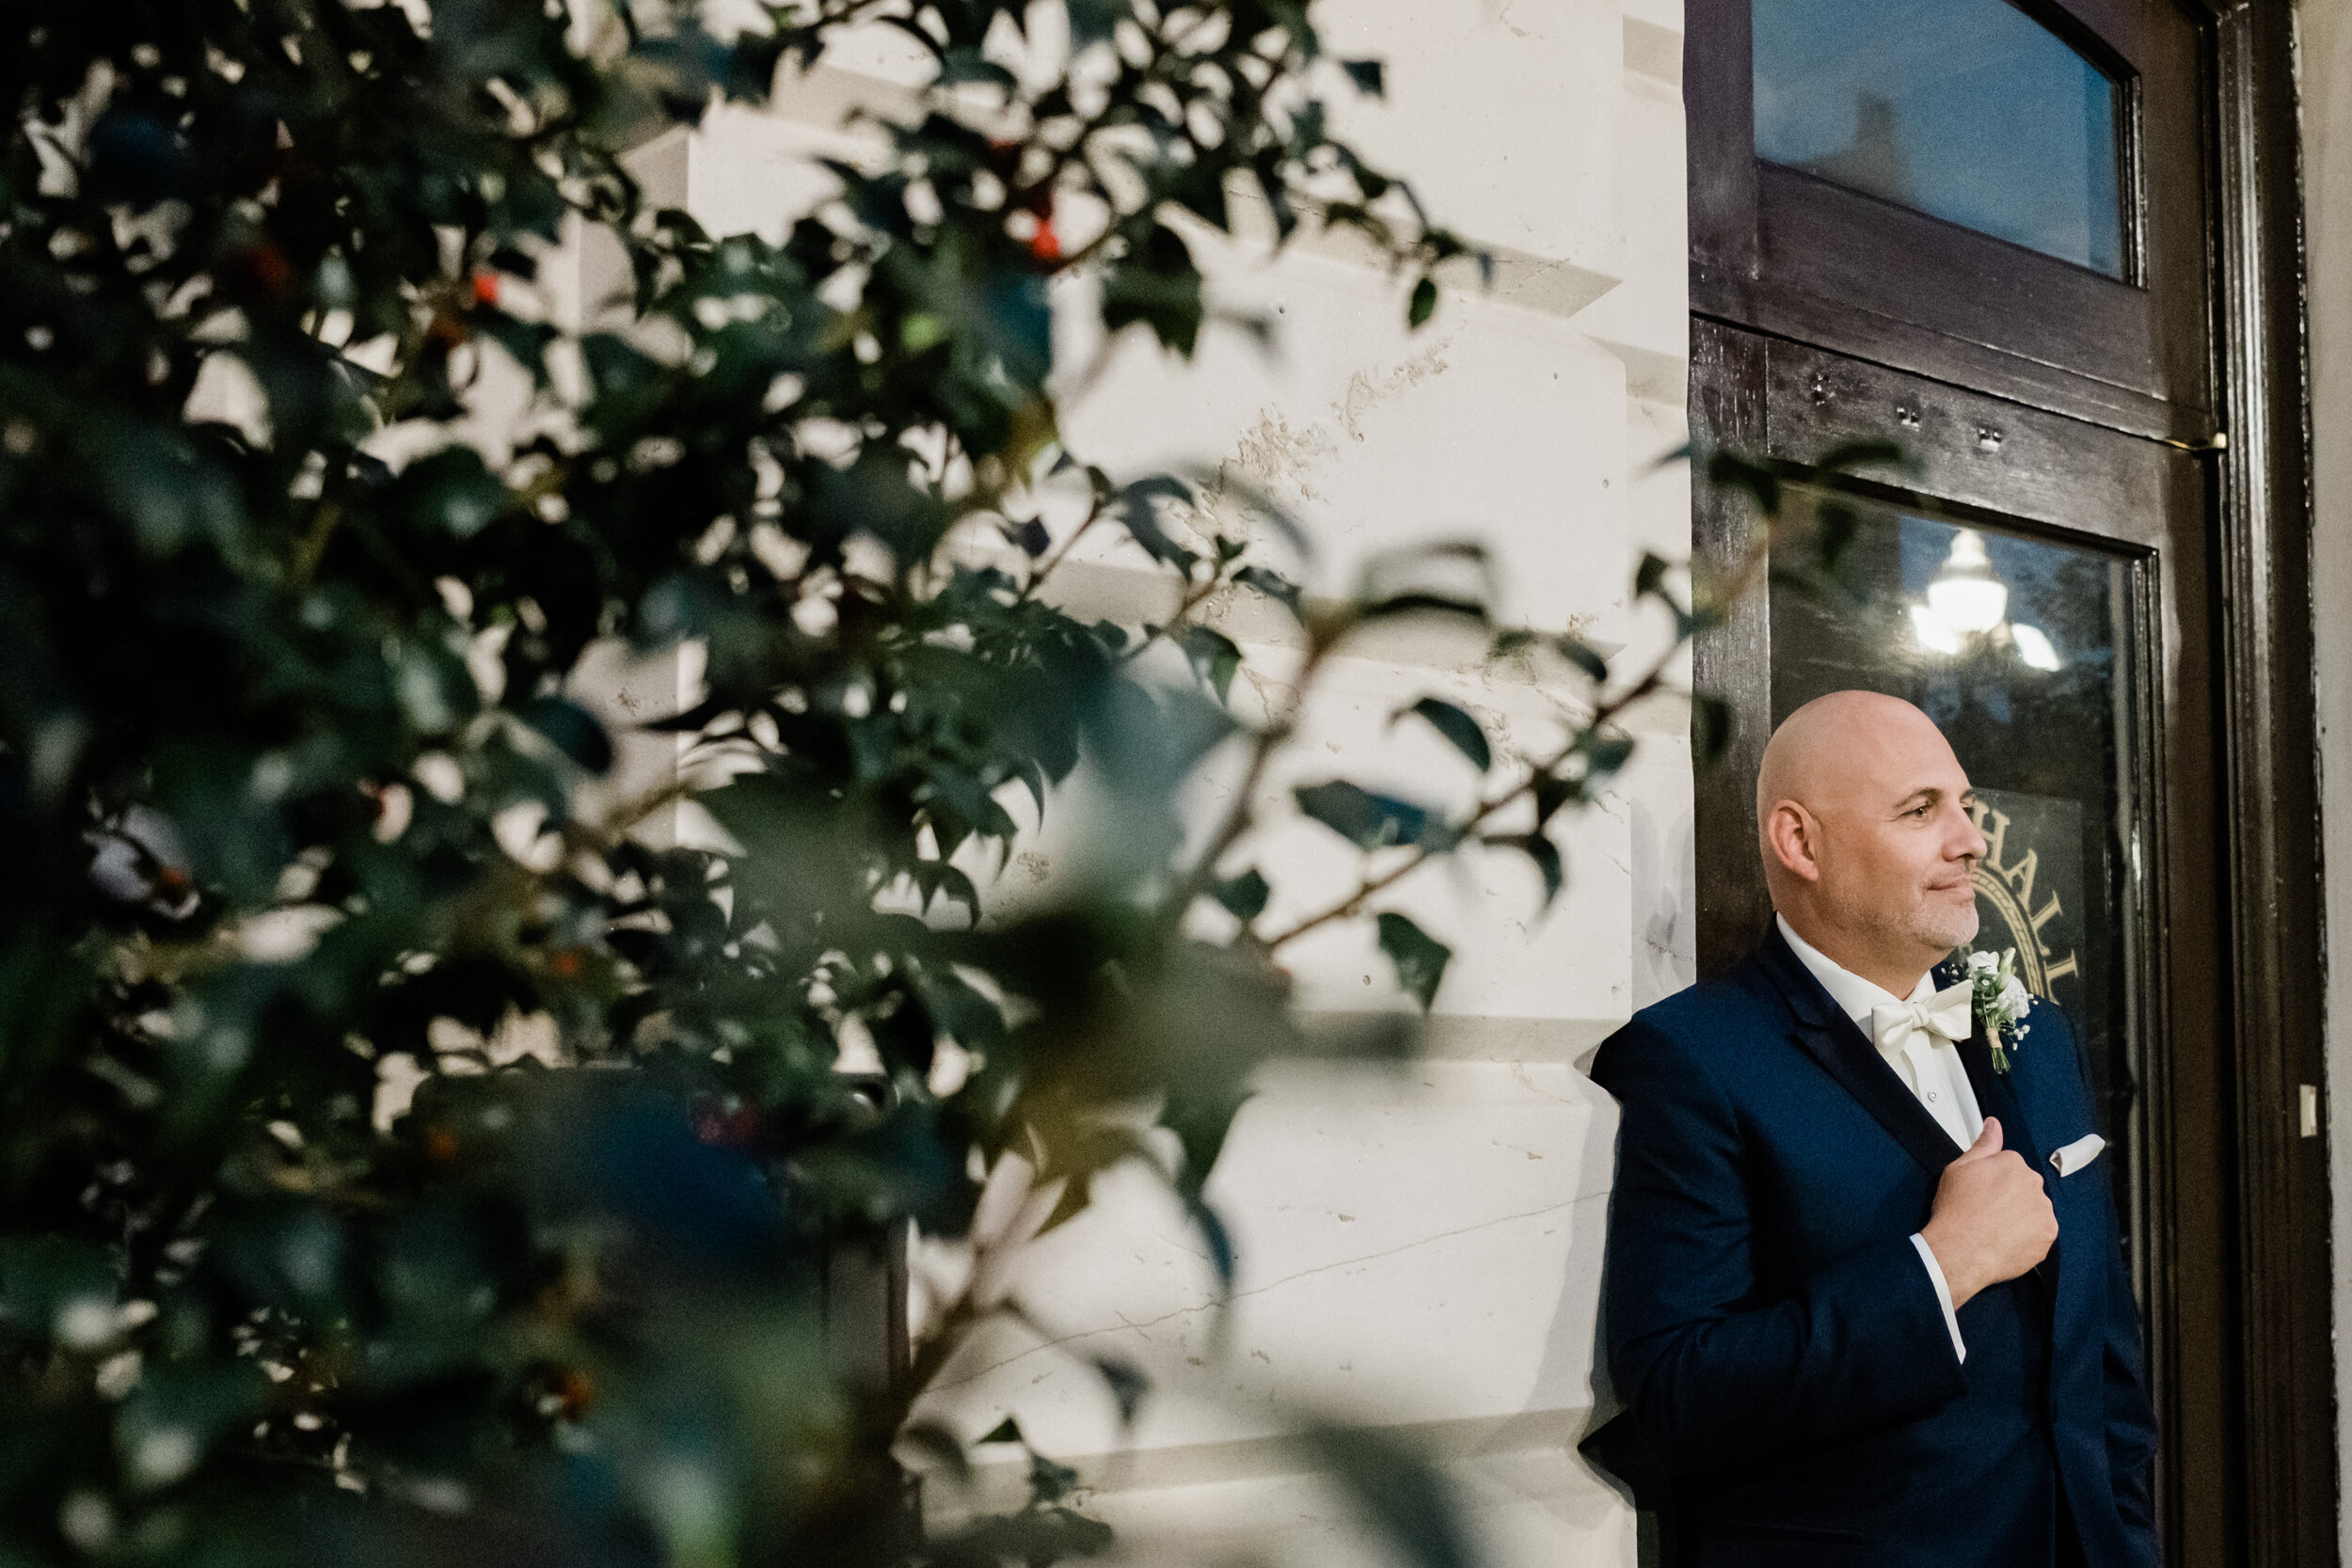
x: 1863, y: 820
x: 1822, y: 750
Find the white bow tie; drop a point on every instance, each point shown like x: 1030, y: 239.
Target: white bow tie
x: 1946, y: 1015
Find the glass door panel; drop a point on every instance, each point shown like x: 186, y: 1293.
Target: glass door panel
x: 2019, y: 648
x: 2044, y: 588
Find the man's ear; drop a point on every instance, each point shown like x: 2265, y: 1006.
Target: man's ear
x: 1794, y: 833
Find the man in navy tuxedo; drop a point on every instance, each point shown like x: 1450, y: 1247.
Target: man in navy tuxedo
x: 1862, y: 1302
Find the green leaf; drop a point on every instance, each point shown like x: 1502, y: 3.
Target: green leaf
x: 1450, y: 577
x: 1049, y: 1481
x: 1737, y: 473
x: 1425, y: 302
x: 453, y: 491
x: 1368, y: 76
x: 1042, y: 1532
x: 1848, y: 456
x: 1215, y: 658
x: 1091, y: 21
x: 573, y: 729
x: 1367, y: 820
x: 51, y: 1287
x: 1399, y: 1491
x: 1215, y: 1237
x: 1424, y: 603
x: 1138, y: 507
x: 1457, y: 727
x: 1006, y: 1430
x: 873, y: 496
x: 1650, y: 577
x: 1029, y: 537
x: 1546, y: 855
x: 180, y: 1411
x: 1605, y: 753
x: 969, y: 65
x: 1711, y: 727
x: 1835, y: 526
x: 1272, y: 584
x: 1201, y: 1115
x: 1159, y: 286
x: 1244, y: 896
x: 1584, y: 656
x: 1127, y: 1386
x: 941, y: 1446
x: 1551, y: 793
x: 1420, y: 958
x: 1512, y: 640
x: 1198, y: 187
x: 525, y: 342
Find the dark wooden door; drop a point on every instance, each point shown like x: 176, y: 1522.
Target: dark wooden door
x: 2099, y: 774
x: 2102, y: 419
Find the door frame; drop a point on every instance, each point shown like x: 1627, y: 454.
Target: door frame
x: 2269, y: 763
x: 2269, y: 1231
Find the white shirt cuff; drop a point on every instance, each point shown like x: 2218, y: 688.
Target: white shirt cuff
x: 1943, y: 1293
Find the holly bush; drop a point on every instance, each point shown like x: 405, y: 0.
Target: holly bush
x: 308, y: 800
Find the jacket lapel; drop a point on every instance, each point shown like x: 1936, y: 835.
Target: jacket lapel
x: 1846, y: 1053
x: 1997, y: 1097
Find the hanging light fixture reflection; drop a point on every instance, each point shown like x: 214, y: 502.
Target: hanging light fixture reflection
x: 2033, y: 646
x: 1934, y: 634
x: 1965, y: 599
x: 1966, y: 595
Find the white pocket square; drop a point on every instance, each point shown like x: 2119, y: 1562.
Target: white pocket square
x: 2075, y: 1156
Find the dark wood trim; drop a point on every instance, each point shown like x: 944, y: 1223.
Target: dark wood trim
x: 2268, y: 744
x: 2147, y: 887
x: 2186, y: 1268
x: 1836, y: 244
x: 1719, y: 88
x: 1903, y: 345
x: 1734, y: 661
x: 1965, y: 448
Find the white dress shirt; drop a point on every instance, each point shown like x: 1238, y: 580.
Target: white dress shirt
x: 1928, y: 1065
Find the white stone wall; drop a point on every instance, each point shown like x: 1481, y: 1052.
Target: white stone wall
x: 1418, y: 1250
x: 2324, y: 28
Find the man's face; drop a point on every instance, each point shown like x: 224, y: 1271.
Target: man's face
x: 1898, y: 844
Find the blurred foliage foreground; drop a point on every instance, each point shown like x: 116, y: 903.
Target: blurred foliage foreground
x: 299, y: 797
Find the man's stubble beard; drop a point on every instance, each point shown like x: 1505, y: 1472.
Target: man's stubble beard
x: 1948, y: 932
x: 1921, y: 928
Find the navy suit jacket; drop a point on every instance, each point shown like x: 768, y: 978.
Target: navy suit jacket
x: 1790, y: 1388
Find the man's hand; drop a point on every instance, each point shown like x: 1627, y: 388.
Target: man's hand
x: 1993, y: 1221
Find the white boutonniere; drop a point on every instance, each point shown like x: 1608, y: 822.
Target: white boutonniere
x: 2001, y: 1000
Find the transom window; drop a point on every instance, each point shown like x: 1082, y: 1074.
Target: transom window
x: 1968, y: 110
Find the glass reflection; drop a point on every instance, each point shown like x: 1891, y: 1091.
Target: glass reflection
x: 2014, y: 646
x: 1967, y: 597
x: 1966, y: 110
